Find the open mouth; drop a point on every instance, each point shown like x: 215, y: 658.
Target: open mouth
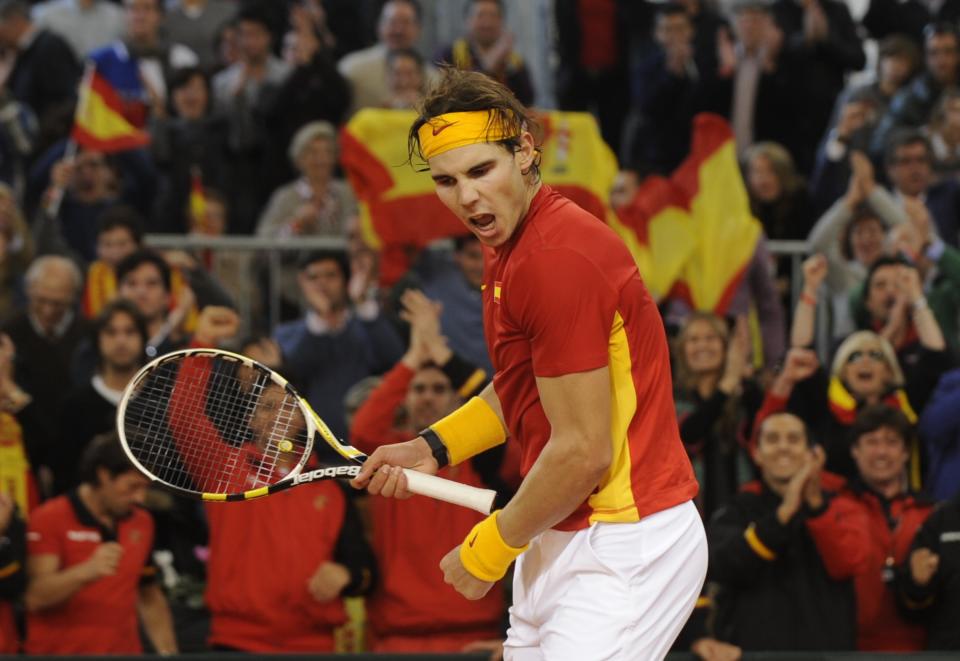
x: 484, y: 224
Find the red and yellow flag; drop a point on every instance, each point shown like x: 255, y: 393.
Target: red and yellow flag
x: 726, y: 230
x: 399, y: 208
x: 100, y: 123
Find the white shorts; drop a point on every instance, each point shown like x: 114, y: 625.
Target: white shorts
x: 611, y: 591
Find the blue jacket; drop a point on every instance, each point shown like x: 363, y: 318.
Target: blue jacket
x: 939, y: 428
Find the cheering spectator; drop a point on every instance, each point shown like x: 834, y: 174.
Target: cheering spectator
x: 189, y: 147
x: 851, y: 236
x: 778, y: 196
x: 716, y: 401
x: 45, y: 72
x: 909, y: 162
x: 243, y: 93
x: 89, y: 564
x: 668, y: 92
x: 119, y: 235
x: 784, y: 552
x: 593, y: 46
x: 913, y: 105
x: 822, y: 40
x: 929, y: 581
x: 314, y: 90
x: 366, y: 70
x: 488, y: 47
x: 119, y: 337
x: 881, y: 444
x: 336, y: 343
x: 195, y: 23
x: 413, y: 610
x: 856, y: 114
x: 85, y: 24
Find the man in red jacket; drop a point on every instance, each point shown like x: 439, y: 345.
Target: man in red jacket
x: 413, y: 610
x: 881, y: 440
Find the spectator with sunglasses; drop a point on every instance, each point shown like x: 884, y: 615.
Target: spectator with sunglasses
x: 865, y: 370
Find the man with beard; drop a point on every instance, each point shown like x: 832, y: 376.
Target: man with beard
x: 119, y: 338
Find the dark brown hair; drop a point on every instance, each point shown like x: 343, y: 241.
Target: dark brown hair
x: 465, y: 91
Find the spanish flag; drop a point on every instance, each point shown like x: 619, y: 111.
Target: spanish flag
x: 399, y: 208
x: 111, y: 113
x: 720, y: 217
x: 198, y: 201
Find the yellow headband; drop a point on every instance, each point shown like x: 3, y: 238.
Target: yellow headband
x: 458, y: 129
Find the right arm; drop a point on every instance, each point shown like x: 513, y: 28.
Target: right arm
x: 49, y: 585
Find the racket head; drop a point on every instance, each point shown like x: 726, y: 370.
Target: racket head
x: 216, y: 425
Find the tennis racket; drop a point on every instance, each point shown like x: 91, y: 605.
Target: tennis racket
x: 219, y: 426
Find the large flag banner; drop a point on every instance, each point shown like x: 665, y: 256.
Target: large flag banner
x: 399, y: 208
x: 725, y: 228
x: 111, y: 112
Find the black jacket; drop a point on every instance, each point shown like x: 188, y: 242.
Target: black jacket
x: 785, y: 587
x: 938, y: 602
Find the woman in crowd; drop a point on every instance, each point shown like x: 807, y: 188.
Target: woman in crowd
x: 715, y: 400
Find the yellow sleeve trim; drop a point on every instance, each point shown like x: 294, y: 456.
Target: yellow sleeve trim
x: 758, y: 547
x: 10, y: 569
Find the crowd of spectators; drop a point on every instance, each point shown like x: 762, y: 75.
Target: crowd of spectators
x: 828, y: 460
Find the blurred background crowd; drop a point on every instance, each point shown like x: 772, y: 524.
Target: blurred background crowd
x: 821, y: 409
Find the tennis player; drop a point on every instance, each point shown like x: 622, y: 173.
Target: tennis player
x: 610, y: 550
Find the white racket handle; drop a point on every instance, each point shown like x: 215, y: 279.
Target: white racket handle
x: 449, y: 491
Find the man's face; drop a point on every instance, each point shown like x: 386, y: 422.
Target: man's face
x: 324, y: 280
x: 9, y: 32
x: 673, y: 30
x: 114, y: 245
x: 190, y: 99
x: 910, y: 170
x: 750, y: 26
x: 121, y: 346
x: 253, y: 39
x: 484, y: 23
x: 90, y: 171
x: 894, y: 70
x: 483, y: 185
x: 942, y: 58
x: 882, y: 292
x: 121, y: 493
x: 429, y: 397
x: 881, y: 456
x: 866, y: 240
x: 404, y: 76
x: 144, y: 287
x: 398, y: 26
x: 143, y: 19
x: 50, y: 297
x: 470, y: 260
x: 782, y: 448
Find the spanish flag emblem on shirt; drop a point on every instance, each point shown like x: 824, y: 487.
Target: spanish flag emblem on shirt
x: 110, y: 109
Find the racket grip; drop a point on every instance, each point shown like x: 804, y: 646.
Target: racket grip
x: 449, y: 491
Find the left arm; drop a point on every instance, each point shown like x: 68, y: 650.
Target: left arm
x: 573, y: 461
x: 156, y: 618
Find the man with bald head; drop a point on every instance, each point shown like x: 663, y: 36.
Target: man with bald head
x: 45, y: 336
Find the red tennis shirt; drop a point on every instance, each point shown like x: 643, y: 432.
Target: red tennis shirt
x: 562, y: 296
x: 101, y: 617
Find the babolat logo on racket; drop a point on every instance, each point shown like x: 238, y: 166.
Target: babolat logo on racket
x: 321, y: 473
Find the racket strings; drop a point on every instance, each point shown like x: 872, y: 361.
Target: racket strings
x: 206, y: 424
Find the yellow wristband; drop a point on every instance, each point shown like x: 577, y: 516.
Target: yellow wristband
x: 471, y: 429
x: 484, y: 553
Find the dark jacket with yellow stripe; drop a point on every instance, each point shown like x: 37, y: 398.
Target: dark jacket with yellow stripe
x: 938, y: 602
x: 785, y: 587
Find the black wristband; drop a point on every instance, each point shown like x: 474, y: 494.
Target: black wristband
x: 437, y: 447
